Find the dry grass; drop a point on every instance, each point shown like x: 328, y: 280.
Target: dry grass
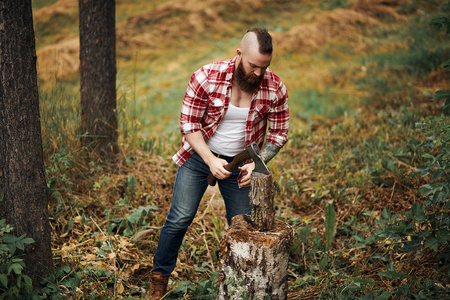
x: 59, y: 61
x: 343, y: 25
x: 61, y: 7
x: 174, y: 23
x: 150, y: 37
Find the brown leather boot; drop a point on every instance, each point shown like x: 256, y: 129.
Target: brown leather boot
x: 158, y: 286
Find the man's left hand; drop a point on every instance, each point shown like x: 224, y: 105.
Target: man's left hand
x: 246, y: 170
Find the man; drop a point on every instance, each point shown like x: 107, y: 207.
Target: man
x: 227, y: 106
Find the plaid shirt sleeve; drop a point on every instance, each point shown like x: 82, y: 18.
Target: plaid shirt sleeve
x: 278, y: 118
x: 269, y: 109
x: 199, y: 111
x: 194, y: 103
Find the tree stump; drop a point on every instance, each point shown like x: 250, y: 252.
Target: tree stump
x: 254, y: 252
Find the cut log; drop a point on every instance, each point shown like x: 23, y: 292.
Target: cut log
x: 253, y: 264
x: 262, y: 193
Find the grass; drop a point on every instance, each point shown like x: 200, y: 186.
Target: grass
x: 353, y: 143
x: 37, y: 4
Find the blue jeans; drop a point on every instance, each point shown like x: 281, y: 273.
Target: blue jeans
x: 190, y: 185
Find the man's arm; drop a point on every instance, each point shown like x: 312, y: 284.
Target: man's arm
x: 215, y: 164
x: 269, y: 151
x: 278, y: 119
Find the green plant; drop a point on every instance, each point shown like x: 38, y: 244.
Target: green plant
x: 203, y: 289
x: 421, y: 233
x: 443, y: 23
x: 330, y: 225
x: 129, y: 224
x: 433, y: 214
x: 16, y: 285
x: 426, y: 226
x: 56, y: 170
x: 61, y: 284
x: 13, y: 283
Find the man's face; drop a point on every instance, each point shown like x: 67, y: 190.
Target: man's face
x: 250, y: 81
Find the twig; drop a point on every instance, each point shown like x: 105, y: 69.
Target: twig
x: 402, y: 163
x: 393, y: 190
x: 72, y: 247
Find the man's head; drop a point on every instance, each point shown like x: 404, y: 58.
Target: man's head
x: 253, y: 58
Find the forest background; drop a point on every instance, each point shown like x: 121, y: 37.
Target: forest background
x: 363, y: 179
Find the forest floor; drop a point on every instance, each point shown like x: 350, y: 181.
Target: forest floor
x: 361, y: 76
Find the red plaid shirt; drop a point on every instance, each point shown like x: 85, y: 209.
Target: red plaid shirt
x: 208, y: 96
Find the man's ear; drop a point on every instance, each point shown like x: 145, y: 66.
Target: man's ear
x: 238, y: 52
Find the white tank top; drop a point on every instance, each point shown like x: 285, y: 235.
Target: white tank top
x: 229, y: 138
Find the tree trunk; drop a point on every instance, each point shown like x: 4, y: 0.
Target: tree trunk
x: 254, y: 252
x: 98, y: 76
x: 22, y: 184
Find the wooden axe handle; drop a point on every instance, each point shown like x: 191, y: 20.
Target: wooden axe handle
x: 237, y: 160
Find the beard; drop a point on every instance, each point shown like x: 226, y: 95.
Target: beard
x: 249, y: 83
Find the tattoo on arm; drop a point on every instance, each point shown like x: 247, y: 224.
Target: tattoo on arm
x: 269, y: 151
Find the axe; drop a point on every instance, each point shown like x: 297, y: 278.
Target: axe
x: 252, y: 152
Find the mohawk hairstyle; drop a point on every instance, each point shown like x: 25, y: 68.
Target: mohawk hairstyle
x: 264, y: 39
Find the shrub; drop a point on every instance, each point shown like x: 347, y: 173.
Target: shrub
x: 13, y: 283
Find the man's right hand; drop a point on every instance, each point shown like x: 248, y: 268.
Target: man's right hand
x: 216, y: 166
x: 214, y: 163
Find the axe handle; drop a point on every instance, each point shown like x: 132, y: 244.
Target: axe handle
x: 237, y: 160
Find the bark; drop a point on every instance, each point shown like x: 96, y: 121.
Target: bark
x: 254, y: 252
x: 254, y: 264
x: 98, y: 75
x: 22, y: 176
x: 262, y: 194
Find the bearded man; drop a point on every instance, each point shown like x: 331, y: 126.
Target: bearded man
x: 228, y: 105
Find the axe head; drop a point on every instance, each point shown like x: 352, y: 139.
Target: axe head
x: 260, y: 166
